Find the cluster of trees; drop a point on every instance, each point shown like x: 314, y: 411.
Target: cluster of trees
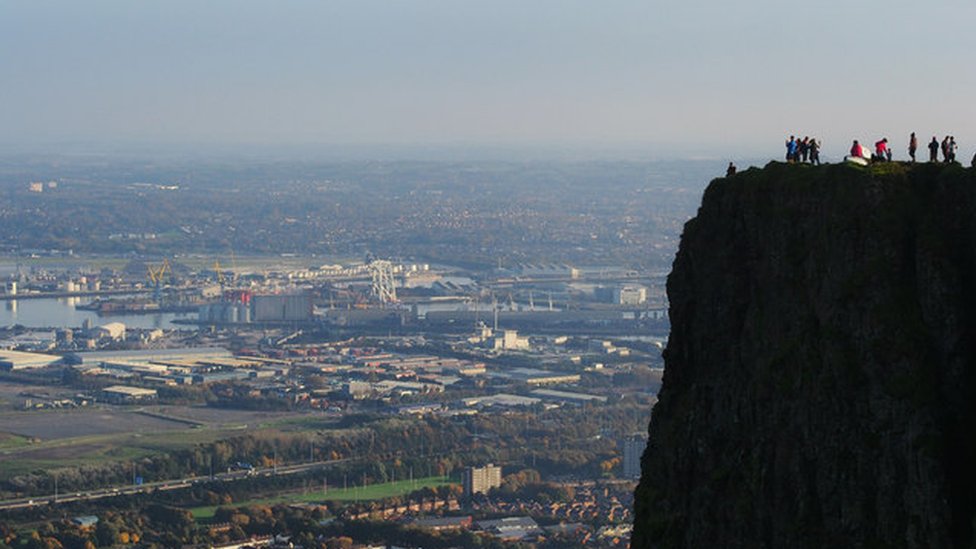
x: 564, y: 441
x: 561, y: 441
x: 153, y: 526
x: 159, y: 527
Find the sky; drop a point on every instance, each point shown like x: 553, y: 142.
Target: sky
x: 661, y: 78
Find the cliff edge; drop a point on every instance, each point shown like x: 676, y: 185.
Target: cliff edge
x: 820, y: 381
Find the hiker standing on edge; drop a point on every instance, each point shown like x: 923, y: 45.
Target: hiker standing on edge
x: 934, y: 150
x: 730, y: 171
x: 912, y: 146
x: 814, y: 152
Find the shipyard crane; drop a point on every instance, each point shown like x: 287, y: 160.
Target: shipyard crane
x: 218, y: 274
x: 384, y: 284
x: 155, y: 274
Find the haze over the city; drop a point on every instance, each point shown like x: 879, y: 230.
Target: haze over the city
x: 652, y: 79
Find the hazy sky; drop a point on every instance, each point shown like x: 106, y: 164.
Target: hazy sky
x: 713, y: 78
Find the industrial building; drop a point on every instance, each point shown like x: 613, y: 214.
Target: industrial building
x: 225, y: 312
x: 627, y: 294
x: 282, y: 308
x: 244, y: 308
x: 501, y: 400
x: 510, y: 528
x: 147, y: 356
x: 510, y: 341
x: 124, y: 394
x: 112, y: 330
x: 630, y: 295
x: 479, y: 480
x: 18, y: 360
x: 31, y: 341
x: 176, y: 366
x: 566, y: 397
x: 533, y: 376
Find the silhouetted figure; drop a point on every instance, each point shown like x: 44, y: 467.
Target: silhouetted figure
x: 814, y: 152
x: 934, y: 150
x: 912, y: 146
x: 791, y: 149
x: 804, y: 149
x: 945, y: 149
x: 730, y: 171
x: 952, y: 148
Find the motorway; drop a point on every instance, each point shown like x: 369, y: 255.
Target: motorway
x: 148, y: 487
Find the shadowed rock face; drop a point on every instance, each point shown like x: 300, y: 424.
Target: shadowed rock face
x: 820, y: 382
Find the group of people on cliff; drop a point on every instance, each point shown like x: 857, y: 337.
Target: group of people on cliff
x: 808, y: 150
x: 948, y: 148
x: 882, y: 151
x: 803, y: 150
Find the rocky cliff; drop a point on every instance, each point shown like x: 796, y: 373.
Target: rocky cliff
x: 820, y: 381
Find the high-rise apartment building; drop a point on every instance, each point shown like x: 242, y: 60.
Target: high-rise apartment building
x: 479, y: 480
x: 633, y: 447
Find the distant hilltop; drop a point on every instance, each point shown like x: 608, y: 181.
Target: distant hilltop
x: 820, y: 382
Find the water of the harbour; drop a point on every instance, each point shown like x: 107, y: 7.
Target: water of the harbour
x: 61, y: 313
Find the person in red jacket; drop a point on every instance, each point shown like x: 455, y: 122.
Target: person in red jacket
x: 881, y: 150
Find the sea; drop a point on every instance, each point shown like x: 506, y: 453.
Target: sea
x: 61, y: 313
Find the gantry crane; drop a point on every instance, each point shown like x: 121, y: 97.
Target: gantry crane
x: 156, y: 275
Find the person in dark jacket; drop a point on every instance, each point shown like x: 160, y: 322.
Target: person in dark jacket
x: 814, y: 151
x: 934, y: 149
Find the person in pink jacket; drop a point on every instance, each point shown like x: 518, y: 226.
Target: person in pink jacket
x: 881, y: 150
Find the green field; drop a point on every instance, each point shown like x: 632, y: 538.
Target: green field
x: 10, y: 440
x: 376, y: 491
x: 18, y: 456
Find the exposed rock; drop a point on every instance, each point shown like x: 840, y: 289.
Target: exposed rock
x: 820, y: 382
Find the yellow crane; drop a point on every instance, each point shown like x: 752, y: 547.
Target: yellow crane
x: 155, y: 274
x: 218, y: 273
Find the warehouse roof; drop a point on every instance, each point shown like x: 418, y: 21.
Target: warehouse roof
x: 146, y: 355
x: 129, y: 391
x: 19, y: 360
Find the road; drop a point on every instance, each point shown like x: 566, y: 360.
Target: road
x: 148, y: 487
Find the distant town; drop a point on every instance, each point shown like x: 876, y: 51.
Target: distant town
x: 490, y: 387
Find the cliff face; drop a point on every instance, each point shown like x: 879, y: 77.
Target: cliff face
x: 820, y: 381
